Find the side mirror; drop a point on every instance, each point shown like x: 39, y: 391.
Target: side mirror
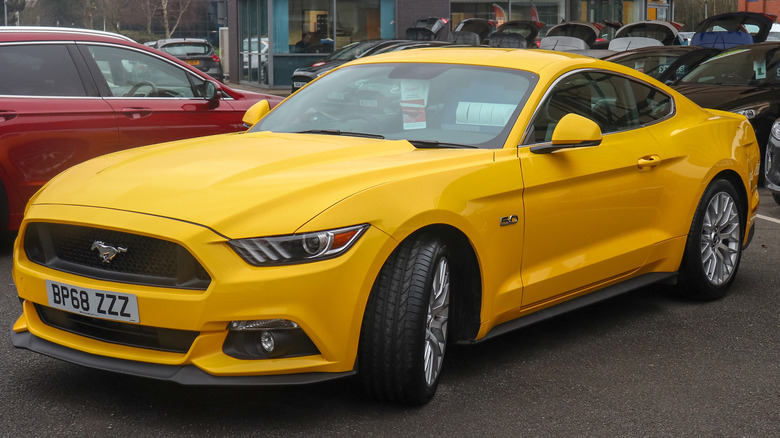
x: 255, y: 113
x: 212, y: 94
x: 572, y: 131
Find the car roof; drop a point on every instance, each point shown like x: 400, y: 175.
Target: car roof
x: 34, y: 33
x: 528, y: 60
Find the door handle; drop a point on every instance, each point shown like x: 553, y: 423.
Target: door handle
x: 7, y: 115
x: 136, y: 112
x: 648, y: 162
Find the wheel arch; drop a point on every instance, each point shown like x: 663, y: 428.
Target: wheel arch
x: 736, y: 181
x: 466, y: 301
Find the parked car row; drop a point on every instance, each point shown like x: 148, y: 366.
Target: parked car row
x: 68, y: 95
x: 734, y: 76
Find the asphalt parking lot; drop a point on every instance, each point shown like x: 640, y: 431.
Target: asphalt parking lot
x: 643, y: 364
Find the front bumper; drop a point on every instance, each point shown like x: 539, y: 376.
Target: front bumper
x: 182, y: 374
x: 326, y: 299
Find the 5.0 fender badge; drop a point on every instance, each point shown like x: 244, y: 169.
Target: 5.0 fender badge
x: 509, y: 220
x: 107, y: 252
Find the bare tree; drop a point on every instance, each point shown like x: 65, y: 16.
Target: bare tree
x: 13, y: 6
x: 173, y: 10
x: 149, y: 9
x: 114, y: 13
x: 691, y: 12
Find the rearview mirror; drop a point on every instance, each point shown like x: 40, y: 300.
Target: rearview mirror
x: 255, y: 113
x: 572, y: 131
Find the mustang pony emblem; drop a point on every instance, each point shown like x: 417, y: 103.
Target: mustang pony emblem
x: 107, y: 253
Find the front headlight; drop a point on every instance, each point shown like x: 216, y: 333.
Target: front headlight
x: 752, y: 111
x: 297, y: 248
x: 776, y: 129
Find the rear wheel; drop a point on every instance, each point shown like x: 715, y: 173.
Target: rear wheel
x: 404, y: 333
x: 714, y: 247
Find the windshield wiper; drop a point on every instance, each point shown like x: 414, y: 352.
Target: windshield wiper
x: 339, y: 132
x: 433, y: 144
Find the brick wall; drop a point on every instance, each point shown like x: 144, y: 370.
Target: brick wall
x: 765, y: 6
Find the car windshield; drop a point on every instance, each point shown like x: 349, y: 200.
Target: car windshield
x: 184, y: 49
x: 753, y: 67
x: 519, y: 28
x: 650, y: 64
x: 649, y: 30
x: 431, y: 105
x: 581, y: 31
x: 352, y: 51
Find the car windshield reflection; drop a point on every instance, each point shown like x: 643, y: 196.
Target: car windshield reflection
x: 441, y: 104
x: 739, y: 67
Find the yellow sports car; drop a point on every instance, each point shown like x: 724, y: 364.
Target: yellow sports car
x: 398, y: 204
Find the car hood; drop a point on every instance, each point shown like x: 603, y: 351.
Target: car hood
x: 244, y: 185
x: 313, y: 71
x: 725, y: 97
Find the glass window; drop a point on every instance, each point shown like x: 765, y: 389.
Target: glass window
x: 39, y: 70
x: 134, y: 74
x: 435, y: 104
x: 186, y: 49
x: 755, y: 66
x: 651, y: 103
x: 614, y: 102
x: 253, y: 34
x: 310, y: 28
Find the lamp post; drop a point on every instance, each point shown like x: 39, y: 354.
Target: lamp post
x: 5, y: 8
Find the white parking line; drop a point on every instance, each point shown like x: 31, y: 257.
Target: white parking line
x: 767, y: 218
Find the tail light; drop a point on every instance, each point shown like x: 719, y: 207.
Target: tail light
x: 215, y: 58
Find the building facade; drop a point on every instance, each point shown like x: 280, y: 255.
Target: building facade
x: 763, y: 6
x: 269, y: 39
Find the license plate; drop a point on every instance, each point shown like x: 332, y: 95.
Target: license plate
x: 299, y: 84
x: 93, y: 302
x: 193, y: 62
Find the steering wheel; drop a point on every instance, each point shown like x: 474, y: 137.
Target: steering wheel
x: 152, y: 91
x: 361, y: 122
x: 735, y: 77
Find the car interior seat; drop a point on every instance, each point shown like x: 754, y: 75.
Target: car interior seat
x: 508, y: 40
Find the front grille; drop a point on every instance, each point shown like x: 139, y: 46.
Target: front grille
x: 132, y: 335
x: 141, y: 260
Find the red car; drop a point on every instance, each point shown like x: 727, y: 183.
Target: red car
x: 67, y: 95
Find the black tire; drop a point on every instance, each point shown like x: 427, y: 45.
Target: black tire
x: 776, y: 197
x: 398, y: 327
x: 702, y: 276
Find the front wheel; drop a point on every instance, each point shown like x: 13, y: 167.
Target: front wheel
x: 404, y: 333
x: 714, y: 246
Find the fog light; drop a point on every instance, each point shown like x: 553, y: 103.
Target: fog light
x: 267, y: 342
x: 267, y: 339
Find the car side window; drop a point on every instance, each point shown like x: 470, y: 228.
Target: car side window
x: 606, y: 99
x: 39, y: 70
x: 651, y: 103
x: 134, y: 74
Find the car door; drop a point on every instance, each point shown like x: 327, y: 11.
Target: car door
x: 157, y: 100
x: 51, y: 117
x: 591, y: 213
